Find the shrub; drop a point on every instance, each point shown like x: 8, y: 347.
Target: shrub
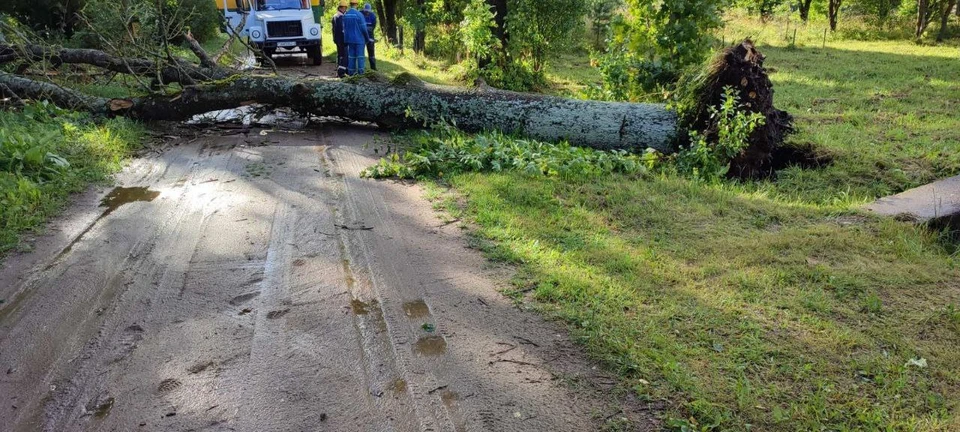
x: 653, y: 42
x: 110, y: 20
x: 201, y: 17
x: 710, y: 161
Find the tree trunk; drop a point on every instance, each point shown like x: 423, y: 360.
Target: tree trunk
x: 499, y: 8
x: 945, y: 19
x: 388, y: 20
x: 602, y: 125
x: 419, y: 41
x: 804, y: 6
x: 924, y: 14
x: 833, y: 12
x: 420, y: 33
x: 500, y: 18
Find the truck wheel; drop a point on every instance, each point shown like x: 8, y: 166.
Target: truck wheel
x: 315, y: 54
x: 267, y: 53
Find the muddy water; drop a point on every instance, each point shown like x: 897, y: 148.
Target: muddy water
x: 118, y: 197
x: 359, y: 307
x: 416, y: 309
x: 430, y: 346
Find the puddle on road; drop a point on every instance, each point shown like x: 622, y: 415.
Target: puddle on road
x: 416, y: 309
x: 126, y: 195
x: 398, y: 387
x: 430, y: 346
x: 347, y: 271
x: 114, y: 200
x: 103, y: 409
x: 359, y: 307
x: 449, y: 398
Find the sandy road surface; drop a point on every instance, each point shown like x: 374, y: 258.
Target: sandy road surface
x: 258, y: 284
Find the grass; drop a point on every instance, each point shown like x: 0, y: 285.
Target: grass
x: 773, y: 305
x: 46, y: 154
x: 738, y: 308
x: 885, y: 109
x: 569, y: 74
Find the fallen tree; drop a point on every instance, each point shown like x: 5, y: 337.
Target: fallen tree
x: 603, y: 125
x: 402, y: 103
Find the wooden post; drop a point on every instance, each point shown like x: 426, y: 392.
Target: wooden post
x: 824, y: 37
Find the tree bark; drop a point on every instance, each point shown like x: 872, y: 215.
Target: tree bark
x: 500, y: 18
x: 924, y: 15
x: 420, y: 32
x: 388, y: 20
x: 499, y: 8
x: 601, y: 125
x: 833, y: 12
x: 945, y: 19
x: 804, y: 6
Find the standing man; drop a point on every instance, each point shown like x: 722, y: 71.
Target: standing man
x: 356, y: 36
x: 371, y: 19
x: 339, y: 40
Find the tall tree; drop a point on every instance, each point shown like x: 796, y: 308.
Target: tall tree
x: 925, y: 11
x: 833, y: 12
x: 420, y: 33
x: 387, y: 14
x: 499, y: 8
x: 804, y: 7
x: 500, y: 11
x: 948, y: 6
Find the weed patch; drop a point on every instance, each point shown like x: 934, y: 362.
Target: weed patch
x: 445, y: 150
x: 47, y: 153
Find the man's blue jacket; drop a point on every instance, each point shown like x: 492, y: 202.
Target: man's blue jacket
x: 355, y: 28
x: 371, y: 21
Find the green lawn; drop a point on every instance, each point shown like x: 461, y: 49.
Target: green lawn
x: 888, y: 112
x: 773, y: 305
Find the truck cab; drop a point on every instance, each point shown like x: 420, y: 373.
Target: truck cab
x: 277, y: 26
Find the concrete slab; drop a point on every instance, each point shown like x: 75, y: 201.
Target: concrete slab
x: 927, y: 203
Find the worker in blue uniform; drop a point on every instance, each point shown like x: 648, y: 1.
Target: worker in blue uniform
x: 338, y: 39
x: 356, y: 36
x: 371, y: 19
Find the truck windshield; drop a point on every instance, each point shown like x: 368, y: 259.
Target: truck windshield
x: 280, y: 4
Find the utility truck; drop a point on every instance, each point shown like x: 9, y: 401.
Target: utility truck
x: 277, y: 26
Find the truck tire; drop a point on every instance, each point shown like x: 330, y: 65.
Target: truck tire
x: 315, y: 53
x: 266, y: 53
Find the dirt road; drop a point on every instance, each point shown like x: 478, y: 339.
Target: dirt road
x: 256, y: 283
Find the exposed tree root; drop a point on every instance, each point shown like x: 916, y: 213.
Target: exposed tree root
x: 741, y: 67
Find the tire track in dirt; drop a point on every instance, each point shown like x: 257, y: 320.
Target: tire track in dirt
x: 270, y: 288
